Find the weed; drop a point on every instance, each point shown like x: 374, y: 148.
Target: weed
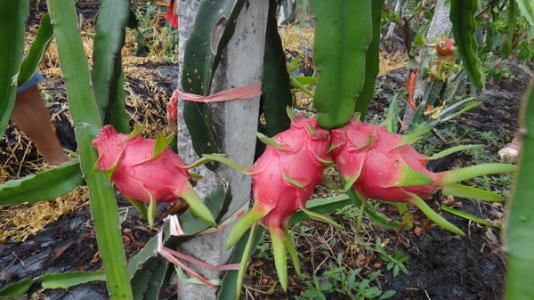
x: 338, y: 279
x: 264, y: 251
x: 395, y: 263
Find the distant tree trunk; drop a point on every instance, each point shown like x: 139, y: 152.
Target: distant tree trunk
x: 237, y: 122
x: 399, y: 4
x: 439, y: 26
x: 287, y: 12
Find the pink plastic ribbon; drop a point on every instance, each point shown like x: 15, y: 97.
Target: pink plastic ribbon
x: 174, y: 256
x: 171, y: 16
x: 241, y: 93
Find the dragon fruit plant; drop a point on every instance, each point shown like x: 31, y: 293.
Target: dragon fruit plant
x: 380, y: 164
x: 446, y: 60
x: 146, y: 171
x: 375, y: 162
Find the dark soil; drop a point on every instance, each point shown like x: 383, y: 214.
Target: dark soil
x: 69, y: 244
x: 443, y: 266
x: 499, y: 112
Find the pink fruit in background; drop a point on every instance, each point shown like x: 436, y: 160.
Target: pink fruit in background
x: 283, y: 180
x: 142, y: 172
x: 171, y: 16
x: 379, y: 164
x: 445, y: 47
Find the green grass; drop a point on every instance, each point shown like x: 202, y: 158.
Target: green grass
x: 340, y: 281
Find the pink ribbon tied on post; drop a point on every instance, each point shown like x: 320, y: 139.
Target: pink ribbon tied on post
x: 175, y: 256
x: 241, y: 93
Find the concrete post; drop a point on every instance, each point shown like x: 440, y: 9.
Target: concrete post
x: 237, y: 121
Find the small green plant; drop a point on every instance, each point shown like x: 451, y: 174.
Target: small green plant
x: 264, y: 250
x: 341, y: 280
x: 499, y: 71
x: 395, y: 263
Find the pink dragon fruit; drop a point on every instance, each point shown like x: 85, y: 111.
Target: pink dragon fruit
x: 283, y: 180
x: 374, y: 161
x: 295, y: 167
x: 145, y: 171
x: 383, y: 165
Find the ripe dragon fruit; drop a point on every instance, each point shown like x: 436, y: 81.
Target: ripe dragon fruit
x: 383, y: 165
x: 146, y: 170
x: 283, y: 180
x: 445, y: 47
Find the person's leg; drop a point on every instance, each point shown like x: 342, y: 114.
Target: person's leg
x: 31, y: 116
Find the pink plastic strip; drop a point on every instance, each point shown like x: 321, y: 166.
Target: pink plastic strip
x: 229, y: 267
x: 172, y: 255
x: 241, y: 93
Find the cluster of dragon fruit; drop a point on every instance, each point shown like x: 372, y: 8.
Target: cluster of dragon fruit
x: 374, y: 162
